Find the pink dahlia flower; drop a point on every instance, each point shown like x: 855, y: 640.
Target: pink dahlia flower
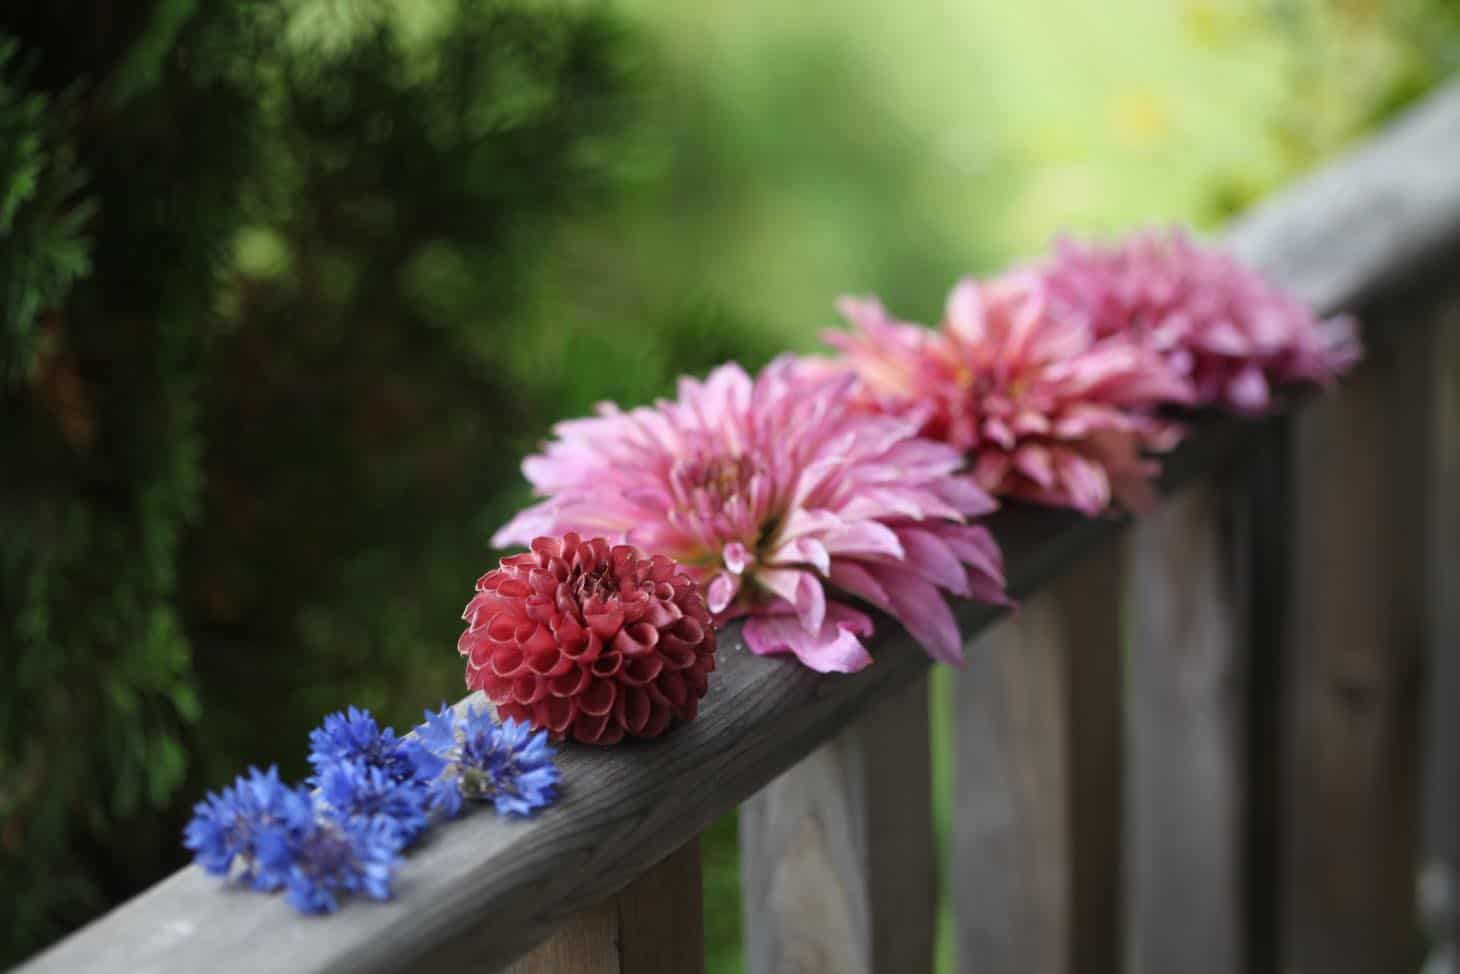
x: 782, y: 503
x: 1213, y: 319
x: 1047, y: 411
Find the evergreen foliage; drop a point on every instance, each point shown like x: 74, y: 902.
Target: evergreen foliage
x: 42, y: 220
x: 99, y: 425
x: 255, y: 264
x: 408, y: 188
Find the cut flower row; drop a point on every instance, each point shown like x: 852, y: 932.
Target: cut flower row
x: 797, y: 497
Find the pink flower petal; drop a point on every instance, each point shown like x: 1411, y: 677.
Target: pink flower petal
x: 736, y: 557
x: 1247, y: 390
x: 965, y: 314
x: 931, y: 558
x: 721, y: 592
x: 1083, y: 481
x: 922, y: 611
x: 863, y: 538
x: 975, y: 547
x: 802, y: 590
x: 965, y: 496
x: 854, y: 577
x: 832, y: 648
x: 1034, y: 462
x: 806, y: 550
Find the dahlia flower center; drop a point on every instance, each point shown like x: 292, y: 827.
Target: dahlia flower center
x: 600, y: 582
x: 979, y: 382
x: 717, y: 479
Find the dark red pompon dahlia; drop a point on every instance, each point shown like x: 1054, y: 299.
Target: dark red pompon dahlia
x: 589, y: 640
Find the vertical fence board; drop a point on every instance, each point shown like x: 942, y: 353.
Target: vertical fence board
x: 655, y: 925
x: 1187, y: 606
x: 837, y: 856
x: 661, y: 918
x: 1437, y: 364
x: 1350, y: 820
x: 1010, y: 821
x: 1036, y: 844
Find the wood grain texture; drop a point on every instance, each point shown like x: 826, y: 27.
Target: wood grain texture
x: 502, y: 887
x: 1355, y: 651
x: 1188, y: 622
x: 656, y: 925
x: 1037, y: 803
x: 837, y: 854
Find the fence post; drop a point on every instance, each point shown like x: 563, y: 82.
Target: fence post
x: 837, y: 859
x: 1355, y: 639
x: 1436, y: 363
x: 1189, y: 618
x: 1037, y: 769
x: 655, y: 925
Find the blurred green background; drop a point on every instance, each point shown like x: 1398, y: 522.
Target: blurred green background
x: 289, y: 287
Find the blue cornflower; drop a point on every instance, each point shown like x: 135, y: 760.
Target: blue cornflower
x: 355, y: 790
x: 319, y: 857
x: 506, y: 764
x: 372, y: 795
x: 363, y: 770
x: 228, y: 827
x: 273, y: 836
x: 354, y: 736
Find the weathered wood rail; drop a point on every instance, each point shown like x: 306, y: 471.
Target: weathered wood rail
x: 1222, y: 739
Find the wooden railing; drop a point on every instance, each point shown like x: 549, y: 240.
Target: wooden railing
x: 1224, y: 738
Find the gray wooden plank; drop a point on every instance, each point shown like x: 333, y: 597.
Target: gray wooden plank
x: 837, y: 854
x: 1011, y: 835
x: 1036, y: 821
x: 1359, y: 224
x: 1188, y: 621
x: 1354, y: 641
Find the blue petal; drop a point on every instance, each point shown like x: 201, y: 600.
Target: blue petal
x: 438, y: 732
x: 445, y: 795
x: 307, y: 896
